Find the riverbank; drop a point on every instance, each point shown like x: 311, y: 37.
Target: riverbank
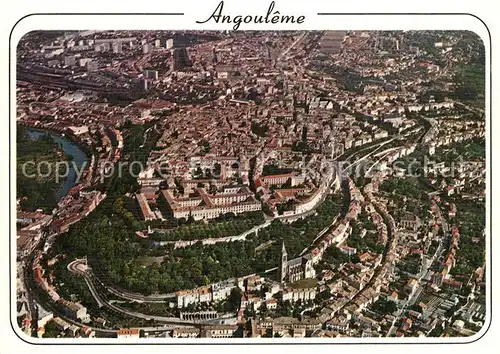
x: 78, y: 160
x: 63, y: 134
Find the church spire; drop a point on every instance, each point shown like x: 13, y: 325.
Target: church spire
x: 283, y: 270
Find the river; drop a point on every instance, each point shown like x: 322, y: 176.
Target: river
x: 70, y: 148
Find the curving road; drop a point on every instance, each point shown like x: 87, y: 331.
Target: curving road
x: 135, y: 296
x: 78, y: 267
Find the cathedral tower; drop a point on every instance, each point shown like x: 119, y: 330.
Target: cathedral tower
x: 284, y: 264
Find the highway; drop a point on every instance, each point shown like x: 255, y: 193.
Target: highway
x: 34, y: 297
x: 383, y: 155
x: 155, y: 298
x: 78, y: 267
x: 381, y: 144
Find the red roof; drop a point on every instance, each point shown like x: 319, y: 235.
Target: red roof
x: 38, y: 273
